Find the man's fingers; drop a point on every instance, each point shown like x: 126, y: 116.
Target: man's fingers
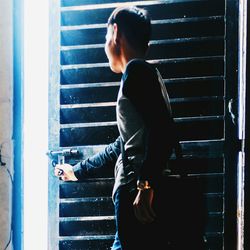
x: 143, y: 214
x: 144, y: 217
x: 152, y: 212
x: 64, y: 178
x: 147, y: 216
x: 58, y: 171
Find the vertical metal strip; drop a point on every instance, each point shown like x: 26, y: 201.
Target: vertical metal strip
x: 247, y: 143
x: 240, y: 201
x: 242, y: 68
x: 53, y: 120
x: 241, y: 120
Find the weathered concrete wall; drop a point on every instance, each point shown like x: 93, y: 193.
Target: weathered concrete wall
x: 6, y: 101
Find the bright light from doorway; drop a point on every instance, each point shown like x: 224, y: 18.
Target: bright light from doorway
x: 36, y: 23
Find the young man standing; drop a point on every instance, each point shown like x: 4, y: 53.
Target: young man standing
x: 147, y: 139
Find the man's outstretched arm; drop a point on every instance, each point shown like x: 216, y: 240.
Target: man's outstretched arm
x: 88, y: 167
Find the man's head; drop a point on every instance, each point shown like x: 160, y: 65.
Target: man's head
x: 133, y: 25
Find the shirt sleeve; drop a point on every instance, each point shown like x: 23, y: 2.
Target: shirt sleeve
x: 142, y: 88
x: 100, y: 161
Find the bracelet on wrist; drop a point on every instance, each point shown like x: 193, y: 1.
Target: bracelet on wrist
x: 143, y: 185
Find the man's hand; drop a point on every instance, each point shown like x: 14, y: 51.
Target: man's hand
x: 65, y: 172
x: 143, y: 206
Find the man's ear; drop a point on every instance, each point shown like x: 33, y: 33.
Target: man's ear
x: 116, y: 34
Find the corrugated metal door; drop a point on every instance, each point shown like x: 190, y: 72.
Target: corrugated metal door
x: 188, y: 47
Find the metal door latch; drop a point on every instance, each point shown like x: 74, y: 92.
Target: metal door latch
x: 60, y: 155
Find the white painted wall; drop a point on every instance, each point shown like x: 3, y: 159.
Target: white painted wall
x: 35, y: 125
x: 6, y: 101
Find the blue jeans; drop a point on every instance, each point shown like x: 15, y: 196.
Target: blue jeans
x: 178, y: 224
x: 117, y: 244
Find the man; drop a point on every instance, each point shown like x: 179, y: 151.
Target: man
x: 147, y: 139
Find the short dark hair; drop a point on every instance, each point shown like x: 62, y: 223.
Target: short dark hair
x: 135, y: 24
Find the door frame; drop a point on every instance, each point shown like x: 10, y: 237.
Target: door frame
x: 54, y: 127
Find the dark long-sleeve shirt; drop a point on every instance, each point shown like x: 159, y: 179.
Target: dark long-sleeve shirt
x: 145, y: 125
x: 102, y: 160
x: 142, y: 87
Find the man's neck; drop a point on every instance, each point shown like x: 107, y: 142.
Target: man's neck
x: 127, y: 56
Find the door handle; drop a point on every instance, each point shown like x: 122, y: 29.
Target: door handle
x: 231, y: 110
x: 60, y: 156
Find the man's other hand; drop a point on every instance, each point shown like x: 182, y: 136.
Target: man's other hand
x: 143, y: 206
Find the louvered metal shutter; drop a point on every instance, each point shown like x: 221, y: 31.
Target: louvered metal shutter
x: 188, y: 47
